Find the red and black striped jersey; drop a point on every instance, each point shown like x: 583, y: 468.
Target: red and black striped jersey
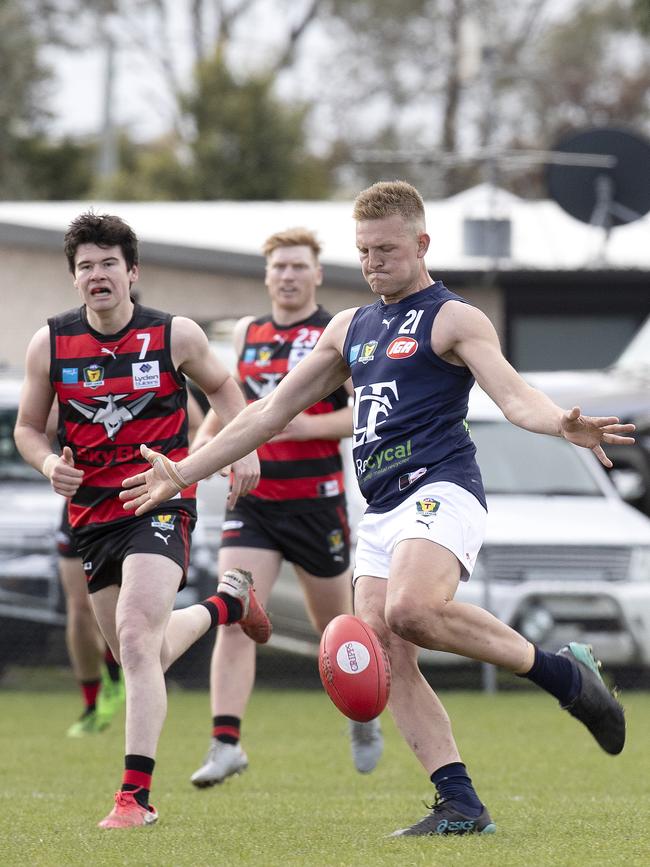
x: 305, y: 471
x: 114, y: 392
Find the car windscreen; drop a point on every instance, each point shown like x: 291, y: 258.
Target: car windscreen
x: 515, y: 461
x: 12, y: 466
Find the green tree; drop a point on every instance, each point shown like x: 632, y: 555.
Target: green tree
x: 32, y: 166
x: 247, y: 143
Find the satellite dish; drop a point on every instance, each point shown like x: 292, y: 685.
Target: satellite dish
x: 604, y: 196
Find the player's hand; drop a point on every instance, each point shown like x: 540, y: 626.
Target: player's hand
x: 245, y: 477
x: 299, y: 428
x: 149, y: 489
x: 64, y: 477
x: 591, y: 432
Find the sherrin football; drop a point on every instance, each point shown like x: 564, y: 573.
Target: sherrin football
x: 354, y: 668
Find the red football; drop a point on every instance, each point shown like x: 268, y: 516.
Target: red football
x: 354, y: 668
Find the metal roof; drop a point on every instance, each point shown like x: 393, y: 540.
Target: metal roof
x: 228, y: 236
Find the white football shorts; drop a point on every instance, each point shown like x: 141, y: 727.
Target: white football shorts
x: 442, y: 512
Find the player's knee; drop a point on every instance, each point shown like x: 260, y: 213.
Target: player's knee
x: 136, y: 646
x: 416, y: 622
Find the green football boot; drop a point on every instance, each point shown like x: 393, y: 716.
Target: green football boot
x: 85, y: 725
x: 110, y: 699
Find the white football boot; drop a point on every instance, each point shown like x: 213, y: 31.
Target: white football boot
x: 222, y: 761
x: 367, y: 743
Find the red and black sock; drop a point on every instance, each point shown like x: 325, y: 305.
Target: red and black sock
x: 226, y: 729
x: 112, y: 665
x: 223, y: 608
x: 138, y: 771
x: 89, y: 690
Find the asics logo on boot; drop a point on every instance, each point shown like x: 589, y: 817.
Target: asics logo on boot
x: 444, y: 826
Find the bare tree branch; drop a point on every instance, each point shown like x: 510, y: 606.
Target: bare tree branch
x: 286, y: 58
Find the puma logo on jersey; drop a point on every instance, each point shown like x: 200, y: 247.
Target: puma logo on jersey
x: 387, y: 322
x: 112, y: 414
x: 111, y: 352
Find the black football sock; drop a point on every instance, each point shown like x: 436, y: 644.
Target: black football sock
x: 453, y: 784
x: 556, y: 674
x: 226, y: 729
x: 223, y: 608
x: 138, y: 771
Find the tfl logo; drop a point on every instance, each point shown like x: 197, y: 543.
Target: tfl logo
x: 372, y: 404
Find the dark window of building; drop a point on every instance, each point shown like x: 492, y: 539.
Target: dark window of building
x: 561, y: 342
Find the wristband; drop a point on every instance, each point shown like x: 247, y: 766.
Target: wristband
x: 172, y: 472
x: 45, y: 460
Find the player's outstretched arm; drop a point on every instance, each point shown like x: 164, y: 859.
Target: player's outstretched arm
x: 317, y: 376
x: 462, y: 333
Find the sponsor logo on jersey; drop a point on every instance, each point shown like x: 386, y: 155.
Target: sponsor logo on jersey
x: 330, y: 488
x: 384, y: 459
x: 146, y: 374
x: 93, y: 376
x: 408, y: 479
x: 402, y: 347
x: 264, y: 354
x: 232, y: 525
x: 367, y: 352
x: 111, y: 413
x: 163, y: 522
x: 70, y: 375
x: 249, y: 354
x: 296, y: 354
x: 354, y: 353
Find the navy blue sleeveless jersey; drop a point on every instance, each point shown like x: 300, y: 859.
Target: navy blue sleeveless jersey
x: 409, y: 404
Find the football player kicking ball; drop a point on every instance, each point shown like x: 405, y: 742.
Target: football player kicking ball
x: 297, y: 512
x: 413, y: 356
x: 117, y: 371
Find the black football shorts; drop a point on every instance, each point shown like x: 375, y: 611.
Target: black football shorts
x: 103, y: 548
x: 317, y: 539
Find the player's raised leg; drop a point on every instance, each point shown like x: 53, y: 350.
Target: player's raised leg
x: 232, y: 672
x: 439, y: 622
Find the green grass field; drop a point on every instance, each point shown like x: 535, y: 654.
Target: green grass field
x: 556, y: 798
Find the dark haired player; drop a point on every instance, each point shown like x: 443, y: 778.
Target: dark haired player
x: 117, y: 371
